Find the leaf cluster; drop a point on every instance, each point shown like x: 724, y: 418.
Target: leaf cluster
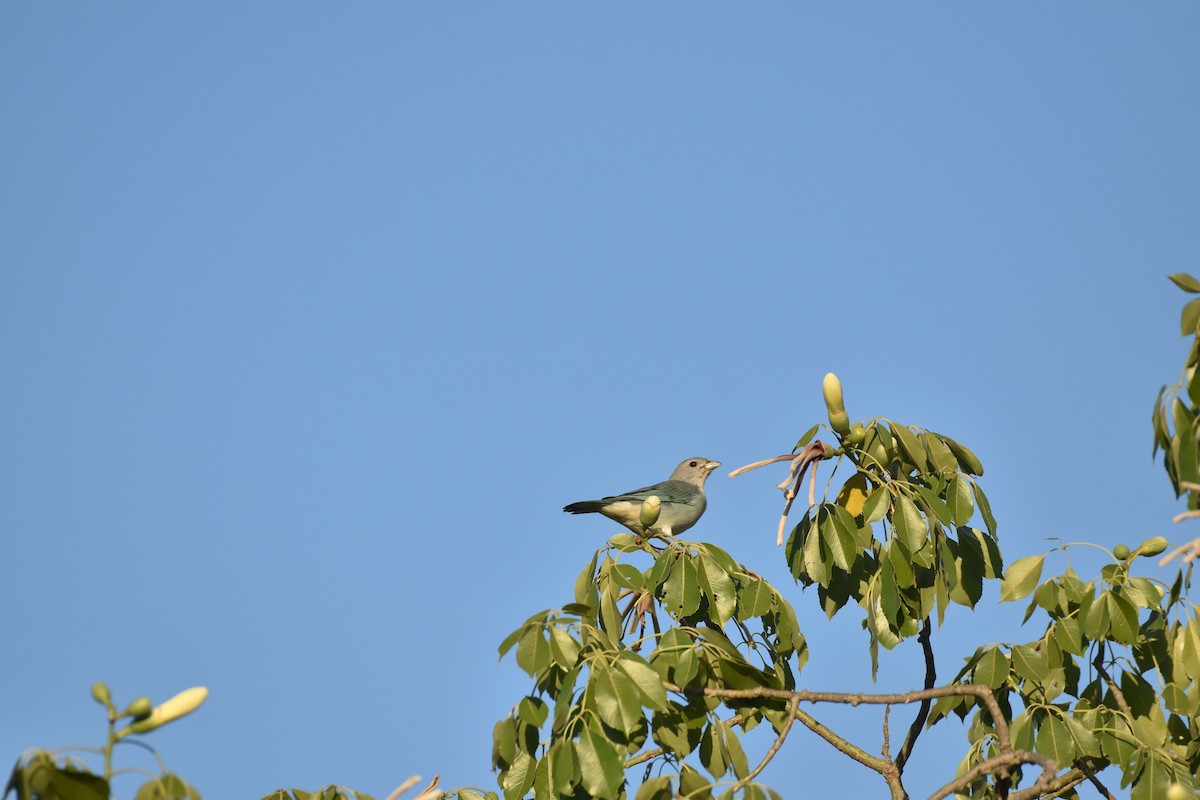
x: 620, y: 686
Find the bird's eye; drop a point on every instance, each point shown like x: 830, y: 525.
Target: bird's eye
x: 693, y: 463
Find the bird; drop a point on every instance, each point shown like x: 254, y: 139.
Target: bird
x: 682, y: 497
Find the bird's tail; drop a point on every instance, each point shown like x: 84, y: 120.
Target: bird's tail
x: 584, y: 507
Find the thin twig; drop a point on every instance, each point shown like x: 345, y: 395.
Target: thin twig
x: 1005, y: 760
x: 783, y: 732
x: 842, y: 745
x: 1118, y: 695
x: 1100, y: 787
x: 887, y: 744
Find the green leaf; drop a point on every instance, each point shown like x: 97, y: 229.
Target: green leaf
x: 909, y: 524
x: 1054, y: 740
x: 992, y: 668
x: 1068, y: 636
x: 533, y: 652
x: 627, y: 576
x: 692, y: 784
x: 1085, y: 743
x: 69, y: 784
x: 610, y: 615
x: 600, y: 766
x: 511, y: 640
x: 1029, y: 664
x: 648, y: 683
x: 658, y: 788
x: 1185, y: 282
x: 959, y: 500
x: 585, y: 586
x: 682, y: 597
x: 721, y: 593
x: 1189, y: 318
x: 969, y: 462
x: 1021, y: 578
x: 518, y: 780
x: 562, y: 766
x: 816, y: 564
x: 985, y: 507
x: 563, y: 648
x: 1154, y: 781
x: 878, y: 503
x: 712, y: 751
x: 911, y: 446
x: 617, y: 698
x: 737, y: 756
x: 806, y: 438
x: 1124, y: 626
x: 678, y: 728
x: 754, y: 599
x: 940, y: 454
x: 1098, y: 618
x: 839, y: 542
x: 533, y: 710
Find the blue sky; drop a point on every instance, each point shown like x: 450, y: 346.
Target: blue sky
x: 314, y: 316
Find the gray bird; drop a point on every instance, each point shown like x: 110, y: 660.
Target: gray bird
x: 682, y: 497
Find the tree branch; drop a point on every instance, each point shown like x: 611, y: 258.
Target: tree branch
x: 980, y: 692
x: 787, y: 727
x: 1004, y: 761
x: 842, y: 745
x: 1118, y: 695
x: 918, y: 724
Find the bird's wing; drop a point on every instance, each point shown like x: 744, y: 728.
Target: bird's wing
x: 667, y: 492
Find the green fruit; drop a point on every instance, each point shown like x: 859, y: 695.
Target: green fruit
x: 1177, y: 791
x: 101, y: 694
x: 1152, y: 546
x: 139, y: 709
x: 651, y: 508
x: 1121, y: 552
x: 856, y: 436
x: 832, y: 389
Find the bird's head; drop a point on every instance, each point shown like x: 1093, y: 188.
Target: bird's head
x: 694, y: 470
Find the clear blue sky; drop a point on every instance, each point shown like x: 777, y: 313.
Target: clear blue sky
x: 313, y: 316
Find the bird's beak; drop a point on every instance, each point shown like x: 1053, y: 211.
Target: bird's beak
x: 711, y: 465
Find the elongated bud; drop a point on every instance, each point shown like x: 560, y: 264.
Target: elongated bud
x: 1152, y: 546
x: 139, y: 709
x: 832, y: 388
x: 101, y: 694
x: 181, y: 704
x: 651, y: 508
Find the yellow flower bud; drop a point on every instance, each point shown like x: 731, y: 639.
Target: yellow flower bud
x: 181, y: 704
x: 832, y: 388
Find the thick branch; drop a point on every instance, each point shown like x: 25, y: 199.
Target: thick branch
x: 1004, y: 761
x: 918, y: 724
